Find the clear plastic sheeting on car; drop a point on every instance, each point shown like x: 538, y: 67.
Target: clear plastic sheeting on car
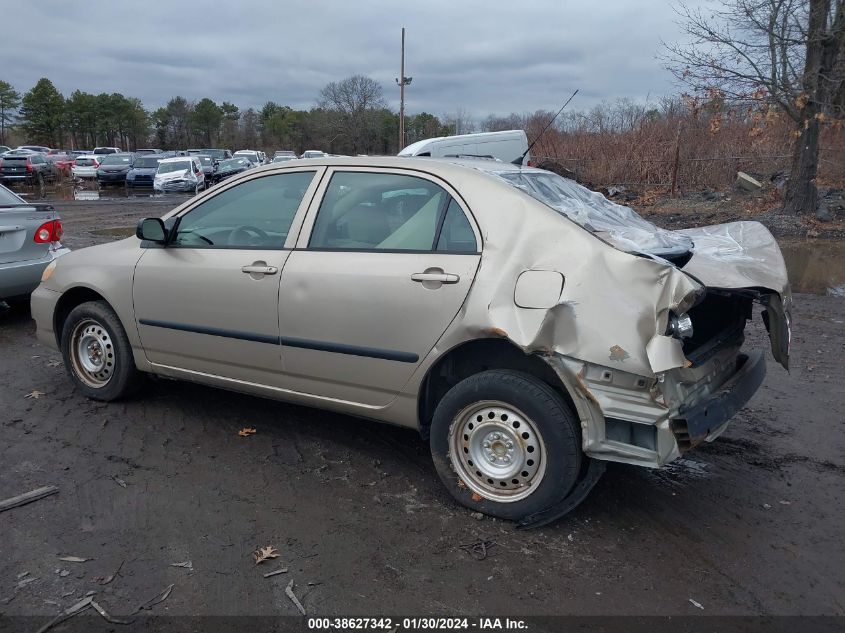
x: 617, y: 224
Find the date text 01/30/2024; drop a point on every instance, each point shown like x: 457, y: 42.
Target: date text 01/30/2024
x: 417, y: 624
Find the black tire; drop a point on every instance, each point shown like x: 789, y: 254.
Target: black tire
x: 115, y: 353
x: 553, y: 426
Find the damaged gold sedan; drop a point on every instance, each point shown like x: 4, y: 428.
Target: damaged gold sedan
x: 528, y: 327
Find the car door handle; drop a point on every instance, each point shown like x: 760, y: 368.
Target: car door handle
x: 259, y: 270
x: 444, y: 278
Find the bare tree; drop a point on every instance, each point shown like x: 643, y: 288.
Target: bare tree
x: 789, y: 54
x: 356, y: 101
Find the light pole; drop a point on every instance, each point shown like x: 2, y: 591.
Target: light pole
x: 405, y: 81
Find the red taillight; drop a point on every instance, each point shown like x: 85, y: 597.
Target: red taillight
x: 51, y: 231
x: 28, y: 165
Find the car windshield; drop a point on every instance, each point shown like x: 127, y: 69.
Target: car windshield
x: 180, y: 165
x: 146, y: 162
x: 116, y: 159
x: 8, y: 198
x: 206, y: 160
x: 232, y: 163
x: 215, y: 153
x: 617, y: 224
x: 85, y: 162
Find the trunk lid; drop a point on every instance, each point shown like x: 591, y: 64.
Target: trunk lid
x: 18, y: 224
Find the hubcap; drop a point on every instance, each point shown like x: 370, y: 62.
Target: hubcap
x: 92, y: 353
x: 497, y: 451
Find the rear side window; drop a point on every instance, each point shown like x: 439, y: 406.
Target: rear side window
x: 376, y: 211
x: 456, y: 235
x: 256, y: 214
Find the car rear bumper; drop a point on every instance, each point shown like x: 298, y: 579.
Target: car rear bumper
x: 21, y: 278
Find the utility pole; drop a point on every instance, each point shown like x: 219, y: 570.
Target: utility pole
x: 404, y: 81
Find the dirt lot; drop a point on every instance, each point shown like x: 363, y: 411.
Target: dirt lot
x: 751, y: 524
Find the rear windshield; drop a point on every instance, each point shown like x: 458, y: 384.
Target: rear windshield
x: 146, y: 163
x: 182, y: 165
x: 116, y: 159
x: 618, y: 224
x: 206, y: 160
x: 85, y: 162
x: 8, y: 198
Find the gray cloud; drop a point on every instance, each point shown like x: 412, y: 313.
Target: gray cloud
x: 483, y: 56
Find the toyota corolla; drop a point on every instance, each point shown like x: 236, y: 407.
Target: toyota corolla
x: 528, y: 327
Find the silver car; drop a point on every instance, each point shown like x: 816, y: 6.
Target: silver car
x: 30, y: 238
x: 531, y: 329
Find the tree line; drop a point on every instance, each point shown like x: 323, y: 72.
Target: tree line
x: 349, y: 117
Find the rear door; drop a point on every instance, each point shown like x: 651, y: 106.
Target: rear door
x: 208, y: 301
x: 385, y: 261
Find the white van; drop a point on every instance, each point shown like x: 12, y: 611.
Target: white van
x: 505, y: 146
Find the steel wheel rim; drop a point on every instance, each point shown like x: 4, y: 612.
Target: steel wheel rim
x: 92, y: 353
x: 497, y: 451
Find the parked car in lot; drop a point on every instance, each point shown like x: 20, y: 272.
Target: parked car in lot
x: 62, y: 161
x: 85, y: 166
x: 41, y: 149
x: 182, y: 173
x: 529, y: 328
x: 283, y: 158
x: 107, y: 150
x: 284, y: 152
x: 4, y: 149
x: 27, y: 167
x: 30, y: 238
x: 313, y: 153
x: 230, y: 167
x: 143, y: 171
x: 251, y: 155
x: 208, y: 167
x: 148, y: 150
x: 217, y: 154
x: 114, y: 168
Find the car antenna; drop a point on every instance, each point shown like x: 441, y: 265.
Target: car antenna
x: 518, y: 161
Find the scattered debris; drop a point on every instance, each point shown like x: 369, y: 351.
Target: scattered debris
x: 746, y: 182
x: 106, y: 616
x: 64, y: 573
x: 34, y: 394
x: 478, y: 549
x: 104, y: 580
x: 767, y: 506
x: 71, y: 611
x: 246, y: 432
x: 695, y: 604
x: 74, y: 559
x: 186, y: 565
x: 784, y: 502
x: 149, y: 604
x: 119, y: 481
x: 265, y: 553
x: 25, y: 582
x: 478, y: 516
x: 293, y: 598
x: 570, y: 538
x: 53, y: 363
x: 476, y: 497
x: 281, y: 570
x: 23, y: 574
x: 27, y: 497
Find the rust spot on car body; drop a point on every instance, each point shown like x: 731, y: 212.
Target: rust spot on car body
x: 618, y: 354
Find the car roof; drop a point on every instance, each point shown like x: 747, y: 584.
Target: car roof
x: 178, y: 159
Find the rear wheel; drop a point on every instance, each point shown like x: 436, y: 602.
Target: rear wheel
x: 97, y: 352
x: 506, y: 444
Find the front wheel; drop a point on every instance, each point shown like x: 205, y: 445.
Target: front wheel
x: 506, y: 444
x: 97, y: 353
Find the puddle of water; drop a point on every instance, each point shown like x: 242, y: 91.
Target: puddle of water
x: 815, y: 266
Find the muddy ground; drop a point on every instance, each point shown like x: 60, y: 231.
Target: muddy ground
x: 751, y: 524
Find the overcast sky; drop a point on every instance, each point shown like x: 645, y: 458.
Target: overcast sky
x: 483, y: 56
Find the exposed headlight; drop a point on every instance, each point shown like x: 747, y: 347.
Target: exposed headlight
x: 48, y: 272
x: 680, y: 326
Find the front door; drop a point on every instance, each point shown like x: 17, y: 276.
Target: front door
x: 381, y: 274
x: 208, y: 301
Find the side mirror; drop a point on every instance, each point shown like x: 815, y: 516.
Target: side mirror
x: 151, y: 229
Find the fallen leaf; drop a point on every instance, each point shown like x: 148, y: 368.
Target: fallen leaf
x: 246, y: 431
x: 34, y: 394
x: 476, y: 496
x: 74, y: 559
x: 265, y: 553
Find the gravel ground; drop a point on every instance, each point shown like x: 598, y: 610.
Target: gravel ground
x: 750, y: 524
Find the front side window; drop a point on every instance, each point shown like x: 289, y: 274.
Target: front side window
x: 373, y: 211
x: 256, y: 214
